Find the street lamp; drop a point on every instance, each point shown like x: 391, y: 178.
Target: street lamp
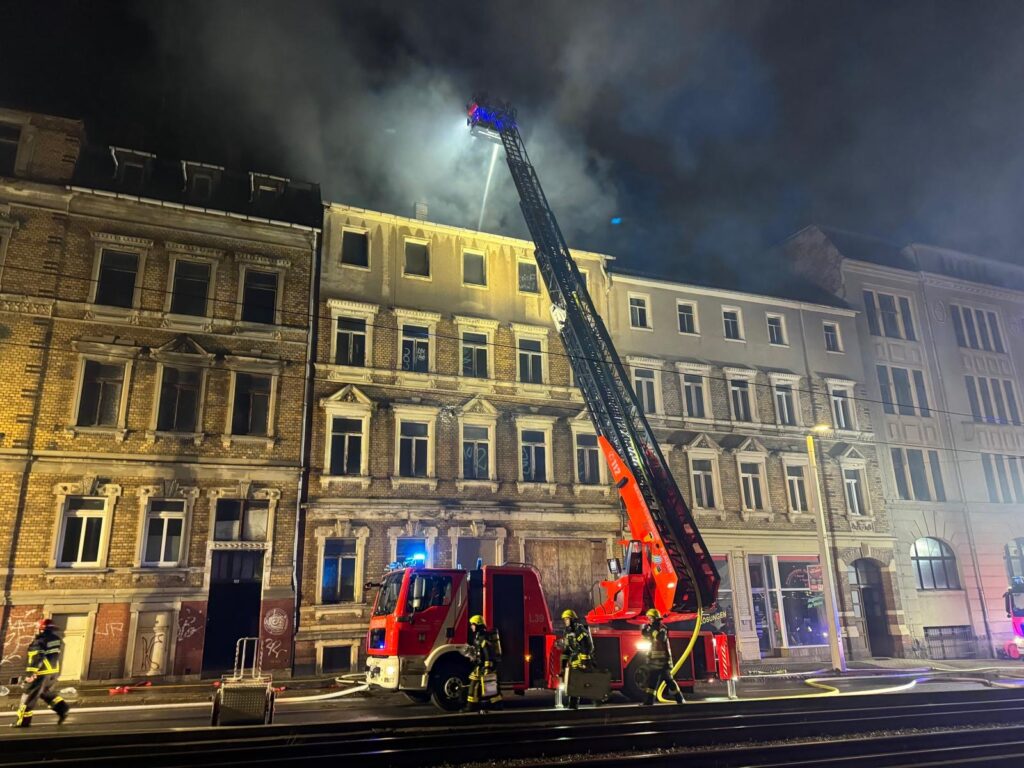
x: 835, y: 638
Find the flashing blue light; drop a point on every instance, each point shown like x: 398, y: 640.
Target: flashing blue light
x: 616, y: 220
x: 418, y: 558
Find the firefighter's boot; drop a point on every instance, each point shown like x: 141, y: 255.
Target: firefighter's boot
x: 61, y: 708
x: 24, y: 719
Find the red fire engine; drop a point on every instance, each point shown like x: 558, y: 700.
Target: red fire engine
x: 1014, y: 599
x: 419, y: 627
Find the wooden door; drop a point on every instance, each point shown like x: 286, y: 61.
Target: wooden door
x: 73, y: 629
x: 569, y: 569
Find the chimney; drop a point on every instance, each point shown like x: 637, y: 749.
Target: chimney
x: 421, y: 211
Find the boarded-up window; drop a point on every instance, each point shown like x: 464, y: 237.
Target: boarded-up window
x: 569, y: 569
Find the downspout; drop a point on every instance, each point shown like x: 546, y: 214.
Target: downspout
x: 298, y: 548
x: 961, y: 487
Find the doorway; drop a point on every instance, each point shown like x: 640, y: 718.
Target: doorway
x: 867, y: 596
x: 233, y: 610
x: 74, y: 631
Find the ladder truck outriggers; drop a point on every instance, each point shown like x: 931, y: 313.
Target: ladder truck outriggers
x: 419, y: 624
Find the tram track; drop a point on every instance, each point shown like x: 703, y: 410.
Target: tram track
x: 727, y: 734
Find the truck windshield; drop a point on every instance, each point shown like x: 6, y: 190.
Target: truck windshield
x: 387, y: 598
x: 436, y: 590
x: 1017, y: 602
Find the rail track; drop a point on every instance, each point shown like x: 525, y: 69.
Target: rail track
x: 967, y: 728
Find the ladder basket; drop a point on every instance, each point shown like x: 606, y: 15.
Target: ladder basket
x: 246, y: 696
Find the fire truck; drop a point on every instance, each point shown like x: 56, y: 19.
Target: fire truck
x: 1014, y: 598
x: 419, y: 626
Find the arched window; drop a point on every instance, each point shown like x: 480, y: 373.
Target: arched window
x: 934, y: 564
x: 1014, y: 554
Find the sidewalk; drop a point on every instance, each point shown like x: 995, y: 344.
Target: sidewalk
x: 803, y: 667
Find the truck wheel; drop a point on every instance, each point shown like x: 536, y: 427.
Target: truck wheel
x: 418, y: 697
x: 449, y: 686
x: 633, y: 681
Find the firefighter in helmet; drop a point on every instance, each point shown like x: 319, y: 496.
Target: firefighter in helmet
x: 484, y: 685
x: 577, y: 646
x: 41, y: 674
x: 658, y: 666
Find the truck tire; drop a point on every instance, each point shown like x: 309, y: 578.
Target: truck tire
x: 633, y: 681
x: 418, y: 697
x: 449, y: 685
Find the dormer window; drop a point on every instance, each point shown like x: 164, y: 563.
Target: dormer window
x: 200, y: 180
x: 265, y: 188
x: 131, y: 168
x: 10, y: 136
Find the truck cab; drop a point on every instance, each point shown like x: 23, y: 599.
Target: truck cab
x: 418, y: 637
x: 1014, y: 599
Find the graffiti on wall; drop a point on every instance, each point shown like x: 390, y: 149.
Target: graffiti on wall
x: 19, y: 635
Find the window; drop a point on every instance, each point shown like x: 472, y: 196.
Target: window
x: 992, y: 400
x: 644, y: 382
x: 191, y: 288
x: 346, y: 446
x: 179, y: 400
x: 355, y: 249
x: 918, y: 477
x: 1003, y: 478
x: 350, y: 342
x: 750, y: 482
x: 165, y: 524
x: 338, y: 579
x: 413, y: 446
x: 787, y: 599
x: 200, y: 184
x: 693, y: 395
x: 785, y: 405
x: 796, y: 488
x: 531, y: 369
x: 415, y: 348
x: 528, y: 277
x: 832, y: 341
x: 739, y: 398
x: 897, y: 322
x: 474, y: 268
x: 842, y: 413
x: 776, y: 330
x: 259, y: 297
x: 588, y: 461
x: 250, y: 414
x: 534, y: 463
x: 410, y: 550
x: 852, y: 481
x: 115, y: 286
x: 911, y: 397
x: 476, y: 452
x: 474, y: 355
x: 638, y: 312
x: 977, y: 329
x: 687, y: 317
x: 733, y: 323
x: 417, y: 259
x: 934, y: 564
x: 81, y: 532
x: 241, y: 520
x: 703, y: 473
x: 10, y: 136
x: 102, y: 386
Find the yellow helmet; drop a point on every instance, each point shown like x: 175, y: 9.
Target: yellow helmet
x: 477, y: 620
x: 569, y: 613
x: 654, y: 613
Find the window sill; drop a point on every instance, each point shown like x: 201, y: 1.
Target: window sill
x: 835, y: 351
x: 590, y: 488
x: 476, y: 383
x: 718, y: 512
x: 641, y: 328
x: 471, y: 485
x: 738, y: 341
x: 229, y: 440
x: 195, y: 437
x: 57, y: 572
x: 430, y: 483
x: 118, y: 433
x: 190, y: 322
x: 175, y: 571
x: 415, y: 378
x: 413, y: 276
x: 103, y: 311
x: 361, y: 481
x: 746, y: 515
x: 328, y: 610
x: 549, y: 488
x: 258, y: 330
x: 338, y: 372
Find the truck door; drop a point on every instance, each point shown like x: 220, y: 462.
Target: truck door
x: 507, y: 617
x: 428, y: 609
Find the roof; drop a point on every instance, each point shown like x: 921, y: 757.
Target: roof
x: 164, y: 179
x: 874, y: 250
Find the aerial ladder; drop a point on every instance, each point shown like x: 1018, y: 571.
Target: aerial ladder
x: 667, y: 565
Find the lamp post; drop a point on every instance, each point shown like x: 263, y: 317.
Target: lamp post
x: 835, y: 638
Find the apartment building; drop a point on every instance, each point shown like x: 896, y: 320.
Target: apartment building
x: 154, y: 323
x: 941, y: 337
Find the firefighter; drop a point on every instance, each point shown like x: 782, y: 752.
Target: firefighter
x: 487, y: 655
x: 41, y: 674
x: 658, y: 667
x: 577, y: 648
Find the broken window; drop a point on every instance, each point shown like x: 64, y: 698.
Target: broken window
x: 251, y: 410
x: 100, y: 403
x: 115, y: 286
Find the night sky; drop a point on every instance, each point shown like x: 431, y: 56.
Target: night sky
x: 713, y: 129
